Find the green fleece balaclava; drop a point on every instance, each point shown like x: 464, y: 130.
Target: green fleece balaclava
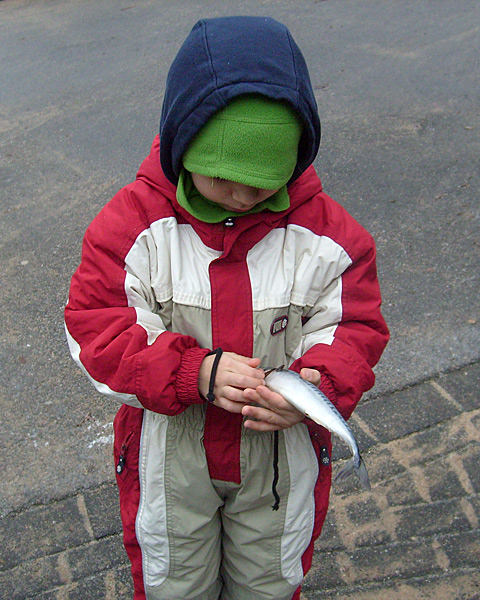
x: 254, y: 141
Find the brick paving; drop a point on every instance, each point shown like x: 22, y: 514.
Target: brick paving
x: 415, y: 536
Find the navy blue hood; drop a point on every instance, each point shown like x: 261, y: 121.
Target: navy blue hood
x: 227, y: 57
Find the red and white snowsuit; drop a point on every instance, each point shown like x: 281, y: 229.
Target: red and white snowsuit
x: 157, y: 289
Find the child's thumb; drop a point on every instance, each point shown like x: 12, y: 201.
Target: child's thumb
x: 311, y: 375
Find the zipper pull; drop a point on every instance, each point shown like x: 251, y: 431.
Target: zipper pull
x: 120, y: 464
x: 324, y: 456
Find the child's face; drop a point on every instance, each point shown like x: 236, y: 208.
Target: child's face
x: 230, y: 194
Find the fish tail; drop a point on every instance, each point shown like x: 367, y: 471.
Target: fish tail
x: 362, y: 474
x: 360, y: 471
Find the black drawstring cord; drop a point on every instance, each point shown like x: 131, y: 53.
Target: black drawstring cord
x: 275, y: 471
x: 218, y: 354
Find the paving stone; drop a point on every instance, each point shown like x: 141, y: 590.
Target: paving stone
x: 392, y: 560
x: 462, y: 549
x: 448, y: 586
x: 103, y: 510
x: 463, y: 386
x: 329, y: 538
x: 98, y: 556
x: 359, y: 524
x: 40, y: 531
x: 364, y: 524
x: 92, y: 588
x: 50, y: 595
x: 476, y: 420
x: 372, y: 536
x: 438, y: 441
x: 471, y: 464
x: 382, y: 464
x: 363, y: 511
x: 406, y: 412
x: 327, y: 571
x: 115, y: 583
x: 79, y: 564
x: 474, y: 502
x: 123, y: 583
x: 428, y: 520
x: 336, y: 570
x: 401, y: 491
x: 30, y: 578
x: 443, y: 483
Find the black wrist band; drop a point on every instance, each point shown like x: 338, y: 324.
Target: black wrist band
x: 218, y: 353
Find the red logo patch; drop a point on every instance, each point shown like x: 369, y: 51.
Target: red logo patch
x: 279, y: 325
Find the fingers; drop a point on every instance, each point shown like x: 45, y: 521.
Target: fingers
x: 234, y: 374
x: 238, y: 372
x: 273, y: 413
x: 252, y: 362
x: 237, y: 362
x: 263, y: 419
x: 267, y: 398
x: 231, y: 406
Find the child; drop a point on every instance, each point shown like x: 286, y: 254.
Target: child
x: 225, y: 256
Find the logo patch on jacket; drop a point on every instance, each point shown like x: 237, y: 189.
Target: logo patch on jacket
x: 279, y: 325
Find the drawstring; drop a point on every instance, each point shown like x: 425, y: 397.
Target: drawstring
x: 275, y: 471
x: 218, y: 354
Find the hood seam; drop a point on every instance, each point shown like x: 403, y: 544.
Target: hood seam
x: 209, y: 54
x: 290, y: 39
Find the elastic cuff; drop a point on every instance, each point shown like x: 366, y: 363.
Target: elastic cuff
x: 186, y: 384
x: 327, y: 388
x: 342, y: 403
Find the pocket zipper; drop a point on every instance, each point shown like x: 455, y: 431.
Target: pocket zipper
x: 123, y: 450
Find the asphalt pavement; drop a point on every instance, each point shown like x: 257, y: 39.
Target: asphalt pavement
x: 397, y: 85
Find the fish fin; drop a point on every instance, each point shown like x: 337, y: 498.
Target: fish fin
x: 360, y: 472
x: 268, y: 370
x: 345, y: 472
x: 362, y: 475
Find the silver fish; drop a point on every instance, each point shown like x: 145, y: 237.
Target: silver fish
x: 313, y: 403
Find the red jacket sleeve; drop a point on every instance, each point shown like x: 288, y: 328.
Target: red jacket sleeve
x: 113, y: 322
x: 360, y: 335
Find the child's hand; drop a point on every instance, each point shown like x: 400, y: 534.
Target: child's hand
x: 235, y: 373
x: 275, y: 412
